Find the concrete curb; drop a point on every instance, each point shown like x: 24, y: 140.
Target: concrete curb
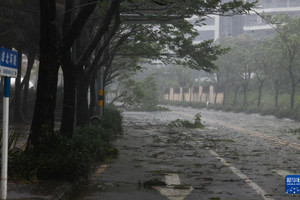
x: 61, y: 191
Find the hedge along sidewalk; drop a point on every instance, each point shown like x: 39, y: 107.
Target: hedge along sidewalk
x: 42, y: 189
x: 51, y: 173
x: 280, y: 112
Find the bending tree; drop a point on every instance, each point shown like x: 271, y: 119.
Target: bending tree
x: 58, y: 31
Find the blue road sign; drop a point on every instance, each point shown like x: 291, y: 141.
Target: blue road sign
x: 8, y: 63
x: 292, y: 184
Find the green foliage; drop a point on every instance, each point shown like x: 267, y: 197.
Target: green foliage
x: 296, y: 114
x: 12, y: 139
x: 187, y: 124
x: 252, y: 109
x: 296, y: 132
x: 141, y: 96
x: 112, y: 119
x: 150, y: 96
x: 197, y: 121
x: 283, y: 113
x: 65, y: 159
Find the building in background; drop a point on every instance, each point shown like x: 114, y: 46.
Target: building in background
x: 210, y: 30
x: 219, y: 27
x: 256, y: 26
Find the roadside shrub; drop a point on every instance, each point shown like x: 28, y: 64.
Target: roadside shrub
x: 238, y: 109
x: 177, y: 103
x: 283, y: 113
x: 112, y: 119
x: 268, y: 111
x: 194, y: 104
x: 252, y: 109
x: 227, y: 108
x: 187, y: 124
x: 295, y: 114
x: 216, y: 107
x: 67, y: 159
x: 161, y: 108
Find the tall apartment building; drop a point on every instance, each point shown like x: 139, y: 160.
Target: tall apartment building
x: 256, y: 26
x: 220, y: 27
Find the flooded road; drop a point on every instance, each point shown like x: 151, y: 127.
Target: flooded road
x: 235, y: 157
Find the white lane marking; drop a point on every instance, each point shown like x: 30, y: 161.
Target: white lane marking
x: 252, y: 184
x: 172, y: 180
x: 282, y: 173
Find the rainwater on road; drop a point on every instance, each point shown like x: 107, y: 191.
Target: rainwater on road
x: 235, y: 157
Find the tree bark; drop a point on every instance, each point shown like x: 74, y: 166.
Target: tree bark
x: 245, y: 90
x: 293, y: 90
x: 216, y: 95
x: 42, y: 127
x: 113, y: 9
x: 224, y: 95
x: 82, y: 101
x: 71, y: 77
x: 68, y: 110
x: 260, y: 92
x: 25, y: 100
x: 92, y: 106
x: 276, y: 86
x: 71, y: 32
x: 182, y: 95
x: 18, y: 115
x: 235, y: 95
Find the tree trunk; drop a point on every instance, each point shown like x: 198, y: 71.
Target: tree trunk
x: 69, y: 68
x: 245, y: 90
x: 68, y: 110
x: 293, y: 87
x: 276, y: 94
x: 25, y: 100
x: 216, y: 95
x: 235, y: 95
x: 42, y: 127
x: 260, y: 92
x: 18, y: 115
x: 82, y: 101
x: 104, y: 97
x: 224, y: 95
x: 217, y: 88
x: 92, y: 107
x: 293, y: 90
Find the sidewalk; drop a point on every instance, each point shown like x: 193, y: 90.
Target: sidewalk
x: 42, y: 190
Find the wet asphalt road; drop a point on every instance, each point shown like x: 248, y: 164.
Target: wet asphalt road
x: 235, y: 157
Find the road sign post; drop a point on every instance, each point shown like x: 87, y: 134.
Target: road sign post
x: 8, y: 68
x: 5, y: 137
